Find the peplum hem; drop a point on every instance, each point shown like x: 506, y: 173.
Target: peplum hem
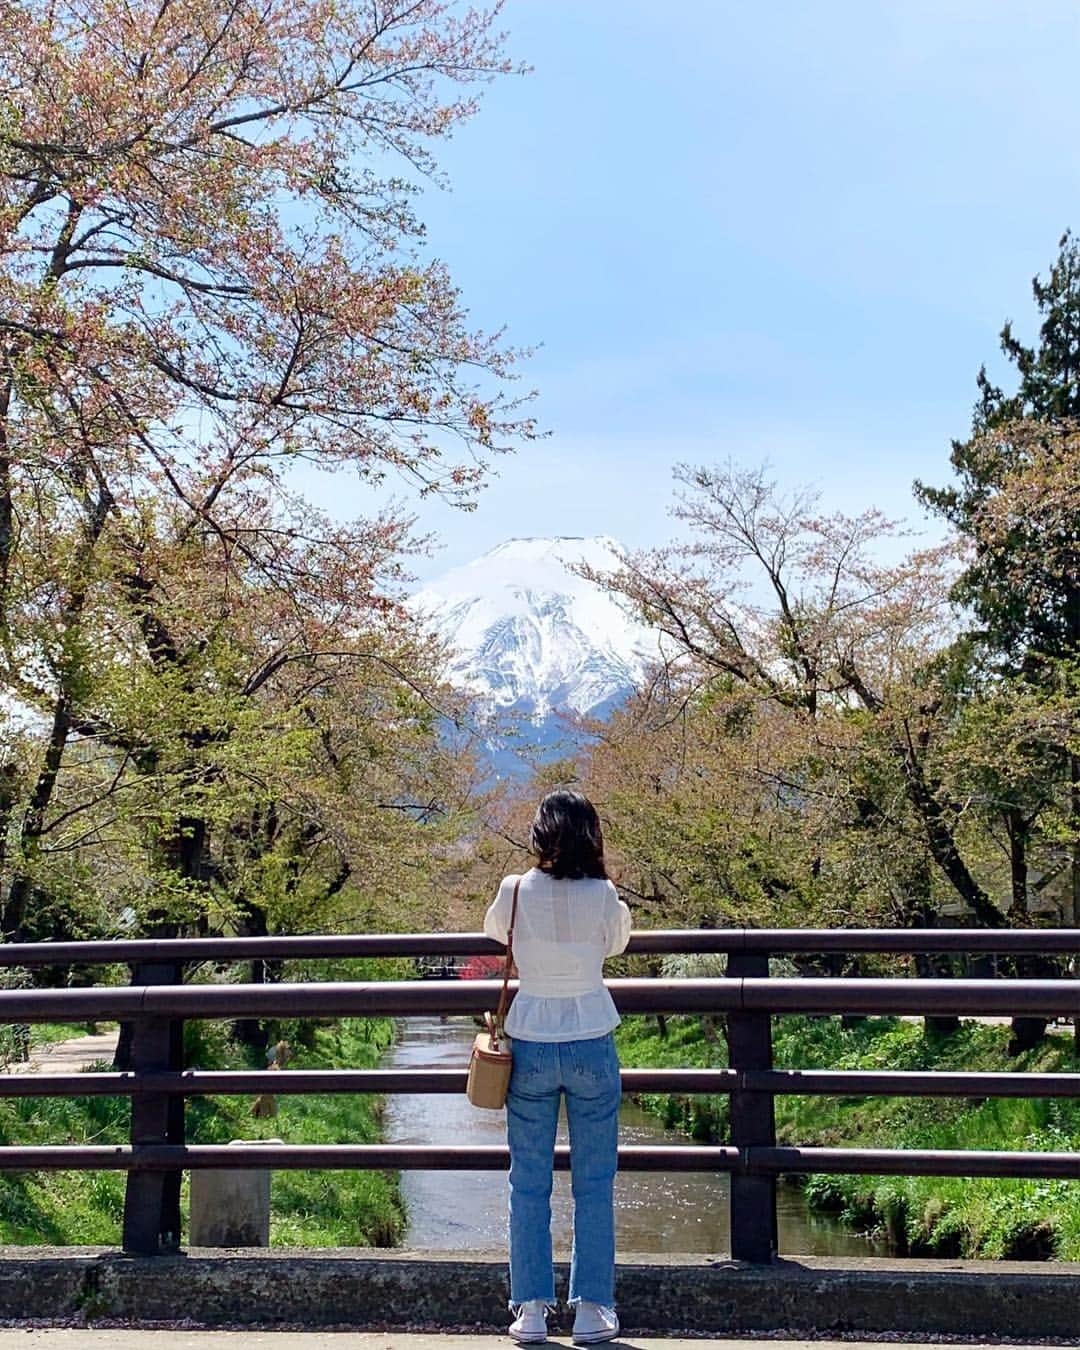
x: 576, y: 1017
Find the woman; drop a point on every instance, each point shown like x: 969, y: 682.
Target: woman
x: 569, y: 917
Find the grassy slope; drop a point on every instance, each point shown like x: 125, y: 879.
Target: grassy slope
x: 926, y: 1214
x: 308, y: 1208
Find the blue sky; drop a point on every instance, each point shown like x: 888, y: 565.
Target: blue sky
x: 784, y: 232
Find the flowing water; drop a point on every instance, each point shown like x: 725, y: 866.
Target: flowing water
x: 654, y: 1211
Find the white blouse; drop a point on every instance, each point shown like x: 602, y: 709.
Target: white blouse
x: 563, y: 931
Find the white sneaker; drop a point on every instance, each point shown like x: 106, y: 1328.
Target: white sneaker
x: 594, y: 1323
x: 529, y: 1327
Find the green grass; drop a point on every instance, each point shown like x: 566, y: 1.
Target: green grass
x: 944, y: 1216
x: 350, y: 1208
x: 49, y: 1033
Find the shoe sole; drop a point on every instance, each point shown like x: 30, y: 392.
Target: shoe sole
x: 596, y: 1337
x: 527, y: 1340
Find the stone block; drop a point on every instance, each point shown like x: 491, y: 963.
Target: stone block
x: 231, y: 1208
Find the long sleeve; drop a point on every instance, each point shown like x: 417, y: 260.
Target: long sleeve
x: 497, y: 919
x: 618, y: 924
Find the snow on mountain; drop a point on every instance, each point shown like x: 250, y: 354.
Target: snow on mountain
x: 530, y: 635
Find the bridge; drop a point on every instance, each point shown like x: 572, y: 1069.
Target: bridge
x: 757, y: 1289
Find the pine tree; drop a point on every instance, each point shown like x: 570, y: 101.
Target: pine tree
x: 1022, y: 585
x: 1018, y: 636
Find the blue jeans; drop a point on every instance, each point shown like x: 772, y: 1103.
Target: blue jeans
x: 588, y: 1072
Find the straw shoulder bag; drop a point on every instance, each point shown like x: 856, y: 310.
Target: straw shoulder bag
x: 489, y: 1064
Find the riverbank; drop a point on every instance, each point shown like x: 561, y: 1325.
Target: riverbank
x: 943, y: 1216
x: 309, y: 1209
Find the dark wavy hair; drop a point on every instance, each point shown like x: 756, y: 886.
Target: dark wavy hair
x: 566, y: 837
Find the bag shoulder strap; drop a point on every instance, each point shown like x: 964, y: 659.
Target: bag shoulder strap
x: 504, y: 995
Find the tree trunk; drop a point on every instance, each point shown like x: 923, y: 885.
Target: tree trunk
x: 13, y: 920
x: 122, y: 1054
x: 183, y: 852
x: 920, y: 913
x: 936, y: 966
x: 922, y: 794
x: 13, y: 917
x: 943, y: 847
x: 1074, y: 813
x: 7, y: 504
x: 1074, y: 768
x: 1026, y: 1032
x: 1017, y: 827
x: 9, y: 795
x: 252, y: 1031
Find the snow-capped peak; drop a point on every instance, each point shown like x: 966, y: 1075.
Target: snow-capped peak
x: 528, y: 633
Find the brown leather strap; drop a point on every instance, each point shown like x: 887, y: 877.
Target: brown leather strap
x: 500, y: 1011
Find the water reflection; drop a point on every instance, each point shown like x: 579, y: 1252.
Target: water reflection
x: 655, y: 1212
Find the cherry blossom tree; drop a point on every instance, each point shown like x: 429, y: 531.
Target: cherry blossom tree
x: 785, y: 619
x: 212, y: 274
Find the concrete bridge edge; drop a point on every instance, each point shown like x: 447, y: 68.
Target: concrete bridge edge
x: 361, y: 1288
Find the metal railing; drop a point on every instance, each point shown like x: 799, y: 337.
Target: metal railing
x: 157, y: 1003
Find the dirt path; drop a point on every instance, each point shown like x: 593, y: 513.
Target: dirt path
x: 69, y: 1056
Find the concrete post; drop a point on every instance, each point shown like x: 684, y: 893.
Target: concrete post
x: 231, y: 1207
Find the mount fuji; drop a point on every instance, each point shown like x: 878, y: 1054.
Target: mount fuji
x: 530, y: 637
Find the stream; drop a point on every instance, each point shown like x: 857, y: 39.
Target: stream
x: 654, y: 1211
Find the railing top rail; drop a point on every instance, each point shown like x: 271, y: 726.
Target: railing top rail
x: 780, y: 1082
x: 1035, y: 998
x: 777, y: 941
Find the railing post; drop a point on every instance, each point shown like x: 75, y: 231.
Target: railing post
x: 152, y: 1199
x: 753, y: 1122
